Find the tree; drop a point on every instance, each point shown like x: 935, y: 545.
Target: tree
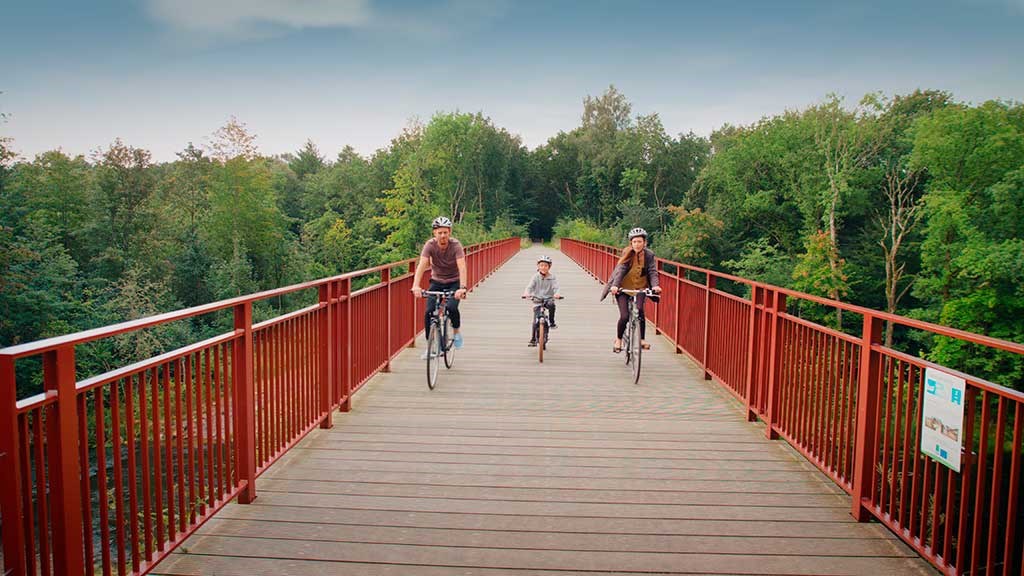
x: 307, y: 161
x: 124, y: 184
x: 902, y: 187
x: 233, y: 140
x: 692, y: 236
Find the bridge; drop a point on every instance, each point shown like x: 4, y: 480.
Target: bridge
x: 756, y: 442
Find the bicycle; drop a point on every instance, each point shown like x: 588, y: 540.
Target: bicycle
x: 543, y: 322
x: 441, y: 338
x: 631, y: 338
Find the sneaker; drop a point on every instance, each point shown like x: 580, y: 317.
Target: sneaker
x: 424, y: 355
x: 553, y: 326
x: 532, y: 343
x: 458, y: 341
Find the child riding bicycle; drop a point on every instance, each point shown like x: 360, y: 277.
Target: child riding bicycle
x: 543, y: 287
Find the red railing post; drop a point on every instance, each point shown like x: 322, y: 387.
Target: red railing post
x: 658, y: 265
x: 10, y: 482
x: 778, y: 306
x: 346, y: 347
x: 868, y: 387
x: 709, y: 285
x: 385, y: 277
x: 413, y: 306
x: 245, y: 407
x: 62, y: 460
x: 751, y: 342
x: 679, y: 308
x: 326, y: 354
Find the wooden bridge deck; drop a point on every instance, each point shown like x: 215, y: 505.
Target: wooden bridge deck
x: 513, y: 468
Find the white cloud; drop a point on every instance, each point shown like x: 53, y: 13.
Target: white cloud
x: 212, y: 20
x: 243, y: 17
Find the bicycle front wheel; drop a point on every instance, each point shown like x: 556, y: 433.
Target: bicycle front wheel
x: 542, y: 339
x: 433, y: 354
x: 449, y: 346
x: 635, y: 350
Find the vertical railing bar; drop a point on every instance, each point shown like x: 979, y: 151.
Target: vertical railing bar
x: 172, y: 529
x: 86, y: 487
x: 158, y: 475
x: 997, y: 477
x: 979, y: 493
x: 966, y: 470
x: 191, y: 426
x: 1013, y: 495
x: 208, y: 378
x: 915, y: 485
x: 180, y: 472
x: 115, y: 455
x: 29, y: 515
x: 101, y: 479
x: 218, y: 400
x: 133, y: 489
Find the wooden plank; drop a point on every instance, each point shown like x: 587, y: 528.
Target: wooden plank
x: 675, y: 544
x: 458, y: 557
x: 502, y: 522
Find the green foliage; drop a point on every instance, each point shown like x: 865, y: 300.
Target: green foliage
x: 803, y: 199
x: 692, y: 236
x: 580, y: 229
x: 815, y: 272
x: 763, y: 262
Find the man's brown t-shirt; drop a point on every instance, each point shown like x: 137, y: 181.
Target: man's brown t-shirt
x: 443, y: 265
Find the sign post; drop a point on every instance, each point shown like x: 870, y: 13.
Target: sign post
x: 942, y: 419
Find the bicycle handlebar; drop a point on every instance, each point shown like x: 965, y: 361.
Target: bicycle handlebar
x: 647, y: 291
x: 541, y: 300
x: 443, y: 293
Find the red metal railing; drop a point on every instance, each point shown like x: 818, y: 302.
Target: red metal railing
x: 853, y: 407
x: 110, y: 474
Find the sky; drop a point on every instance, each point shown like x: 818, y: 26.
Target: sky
x: 159, y: 74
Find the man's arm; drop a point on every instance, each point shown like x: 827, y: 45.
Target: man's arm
x: 420, y: 267
x: 463, y: 284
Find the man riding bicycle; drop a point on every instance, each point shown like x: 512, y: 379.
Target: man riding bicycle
x: 447, y: 261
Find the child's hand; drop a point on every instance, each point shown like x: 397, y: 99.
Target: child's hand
x: 559, y: 296
x: 524, y: 296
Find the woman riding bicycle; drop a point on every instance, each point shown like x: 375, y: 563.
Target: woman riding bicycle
x: 636, y: 270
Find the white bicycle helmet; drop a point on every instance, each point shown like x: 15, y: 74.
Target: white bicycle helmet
x: 544, y: 259
x: 441, y: 222
x: 637, y: 232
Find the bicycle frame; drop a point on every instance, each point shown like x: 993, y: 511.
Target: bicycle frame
x: 631, y: 341
x: 438, y: 332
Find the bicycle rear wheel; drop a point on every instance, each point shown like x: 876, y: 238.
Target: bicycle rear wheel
x: 636, y: 349
x: 542, y: 339
x: 449, y: 347
x: 433, y: 354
